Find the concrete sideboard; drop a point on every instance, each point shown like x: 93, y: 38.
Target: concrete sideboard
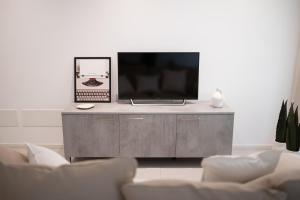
x: 123, y: 130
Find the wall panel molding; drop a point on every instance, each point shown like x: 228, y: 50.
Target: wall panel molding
x: 8, y: 118
x: 41, y: 117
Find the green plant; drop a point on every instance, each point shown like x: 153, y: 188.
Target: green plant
x: 298, y: 126
x: 299, y: 134
x: 282, y: 124
x: 292, y: 133
x: 296, y: 116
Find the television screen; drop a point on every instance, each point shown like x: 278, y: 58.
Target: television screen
x: 158, y: 75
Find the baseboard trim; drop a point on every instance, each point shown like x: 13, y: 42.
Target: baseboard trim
x: 246, y: 149
x: 21, y: 147
x: 252, y: 146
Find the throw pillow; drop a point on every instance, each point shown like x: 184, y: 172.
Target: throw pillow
x: 91, y: 180
x: 239, y: 169
x: 44, y: 156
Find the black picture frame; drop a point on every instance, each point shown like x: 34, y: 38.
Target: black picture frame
x: 96, y: 89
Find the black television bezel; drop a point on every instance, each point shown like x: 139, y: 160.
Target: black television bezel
x: 186, y: 98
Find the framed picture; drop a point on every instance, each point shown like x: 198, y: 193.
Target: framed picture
x: 92, y: 79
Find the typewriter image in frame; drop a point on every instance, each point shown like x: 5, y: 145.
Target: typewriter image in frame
x: 92, y: 80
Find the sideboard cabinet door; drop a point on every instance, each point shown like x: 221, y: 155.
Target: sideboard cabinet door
x: 147, y: 135
x: 204, y: 135
x: 91, y: 135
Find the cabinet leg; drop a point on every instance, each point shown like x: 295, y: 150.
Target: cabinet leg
x: 68, y: 158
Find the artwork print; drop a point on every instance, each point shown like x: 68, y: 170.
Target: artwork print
x: 92, y: 79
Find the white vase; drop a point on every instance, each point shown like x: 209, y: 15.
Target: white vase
x: 217, y: 99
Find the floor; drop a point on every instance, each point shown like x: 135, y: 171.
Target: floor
x: 179, y: 168
x: 167, y: 168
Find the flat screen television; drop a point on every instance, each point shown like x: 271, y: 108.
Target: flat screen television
x: 158, y: 75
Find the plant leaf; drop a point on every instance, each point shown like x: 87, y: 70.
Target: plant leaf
x: 292, y: 136
x: 282, y: 124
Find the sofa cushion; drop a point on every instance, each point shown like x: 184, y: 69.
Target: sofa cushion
x: 239, y: 169
x: 44, y: 156
x: 9, y: 156
x: 286, y: 181
x: 288, y: 162
x: 179, y: 190
x: 286, y: 176
x: 92, y: 180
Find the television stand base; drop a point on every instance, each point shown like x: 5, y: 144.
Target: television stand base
x: 157, y: 102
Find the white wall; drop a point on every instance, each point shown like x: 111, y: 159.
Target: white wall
x: 296, y: 83
x: 248, y: 48
x: 297, y: 92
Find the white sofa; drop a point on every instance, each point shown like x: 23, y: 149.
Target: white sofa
x: 113, y: 180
